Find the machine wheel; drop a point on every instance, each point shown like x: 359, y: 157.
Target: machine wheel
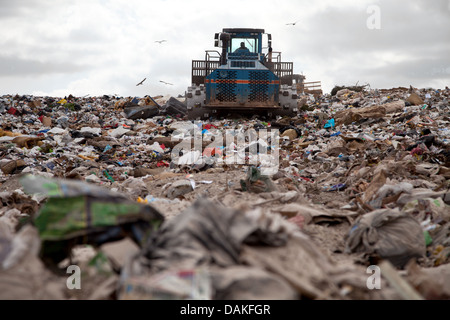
x: 288, y: 97
x: 195, y: 99
x: 198, y: 113
x: 284, y: 113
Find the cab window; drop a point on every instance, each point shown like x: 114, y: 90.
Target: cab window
x: 250, y: 44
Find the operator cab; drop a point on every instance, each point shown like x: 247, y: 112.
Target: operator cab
x: 232, y: 39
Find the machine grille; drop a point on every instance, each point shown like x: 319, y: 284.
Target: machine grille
x: 243, y: 64
x: 226, y: 86
x: 259, y: 86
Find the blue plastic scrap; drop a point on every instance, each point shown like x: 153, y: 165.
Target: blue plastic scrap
x: 335, y: 134
x: 337, y: 187
x: 108, y: 147
x: 329, y: 124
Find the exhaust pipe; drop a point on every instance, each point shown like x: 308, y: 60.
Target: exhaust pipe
x: 225, y: 38
x: 270, y: 54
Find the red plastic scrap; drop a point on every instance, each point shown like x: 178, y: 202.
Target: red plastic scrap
x: 298, y: 220
x: 209, y: 152
x: 162, y: 164
x: 306, y: 179
x: 417, y: 151
x: 185, y: 273
x: 109, y: 126
x: 12, y: 110
x: 209, y: 126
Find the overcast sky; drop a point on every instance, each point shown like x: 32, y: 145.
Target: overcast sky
x: 97, y: 47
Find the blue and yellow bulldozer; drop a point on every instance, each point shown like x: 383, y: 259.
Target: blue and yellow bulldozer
x: 246, y: 76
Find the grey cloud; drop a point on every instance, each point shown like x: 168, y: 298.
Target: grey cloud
x: 85, y: 35
x: 14, y: 66
x: 340, y: 31
x: 417, y: 69
x: 337, y: 42
x: 15, y: 8
x: 332, y: 43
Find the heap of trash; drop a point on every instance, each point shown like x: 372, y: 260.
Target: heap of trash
x: 124, y: 198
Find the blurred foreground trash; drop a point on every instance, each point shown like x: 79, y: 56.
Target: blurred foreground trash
x: 170, y: 285
x: 80, y: 213
x: 245, y: 255
x: 257, y: 182
x: 387, y: 234
x: 431, y: 283
x: 23, y: 276
x: 179, y: 188
x: 406, y: 291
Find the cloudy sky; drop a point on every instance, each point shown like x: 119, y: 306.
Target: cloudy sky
x: 96, y: 47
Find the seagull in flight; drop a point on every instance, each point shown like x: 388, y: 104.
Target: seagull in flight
x: 166, y: 82
x: 140, y: 83
x: 161, y: 41
x: 292, y: 23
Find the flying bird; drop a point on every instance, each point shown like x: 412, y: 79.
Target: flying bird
x: 140, y: 83
x: 292, y: 23
x: 166, y: 82
x: 161, y: 41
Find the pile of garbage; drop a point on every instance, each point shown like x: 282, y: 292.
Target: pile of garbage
x: 140, y: 203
